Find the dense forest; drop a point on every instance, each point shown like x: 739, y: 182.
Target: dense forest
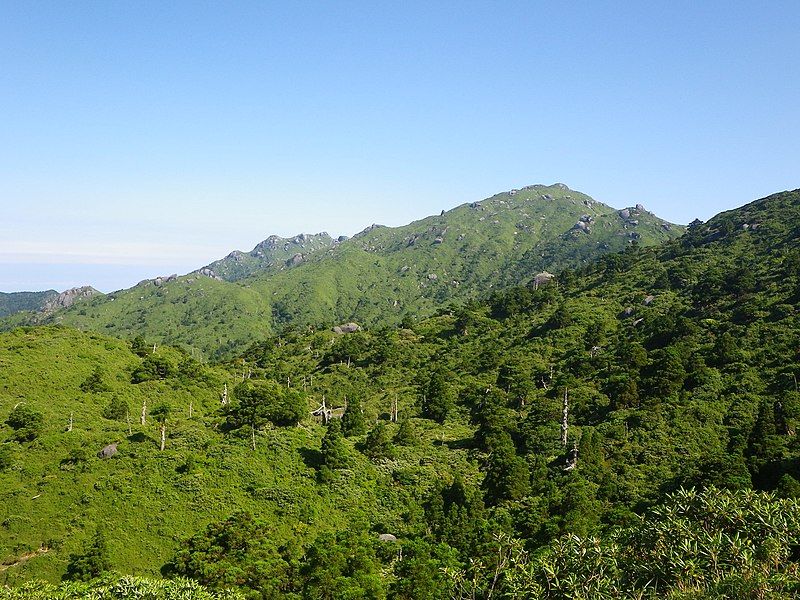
x: 623, y: 429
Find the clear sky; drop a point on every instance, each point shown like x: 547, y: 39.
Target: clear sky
x: 139, y: 139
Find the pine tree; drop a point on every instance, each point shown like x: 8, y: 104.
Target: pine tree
x: 406, y: 434
x: 334, y: 452
x: 353, y: 419
x: 378, y: 444
x: 437, y: 398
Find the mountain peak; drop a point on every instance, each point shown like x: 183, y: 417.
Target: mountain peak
x: 272, y: 254
x: 68, y: 297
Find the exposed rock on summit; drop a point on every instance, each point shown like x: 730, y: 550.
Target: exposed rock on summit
x: 68, y: 298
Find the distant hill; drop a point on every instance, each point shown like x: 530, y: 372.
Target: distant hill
x: 378, y: 277
x: 14, y: 302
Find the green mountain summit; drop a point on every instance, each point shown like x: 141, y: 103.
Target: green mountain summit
x: 378, y: 277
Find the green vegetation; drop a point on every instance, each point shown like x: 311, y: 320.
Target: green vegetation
x: 117, y: 587
x: 627, y: 430
x: 15, y: 302
x: 378, y: 277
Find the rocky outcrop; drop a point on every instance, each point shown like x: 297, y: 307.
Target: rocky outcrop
x: 159, y: 281
x: 347, y: 328
x: 365, y: 231
x: 208, y: 272
x: 295, y: 260
x: 68, y: 298
x: 542, y: 278
x: 108, y: 451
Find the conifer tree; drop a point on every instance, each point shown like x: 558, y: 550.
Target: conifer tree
x: 334, y: 452
x: 406, y: 434
x: 353, y: 419
x: 378, y: 444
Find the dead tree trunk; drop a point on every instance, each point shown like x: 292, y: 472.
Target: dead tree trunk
x: 163, y: 435
x: 224, y: 394
x: 144, y: 411
x: 128, y: 421
x: 191, y: 408
x: 253, y: 436
x: 69, y: 427
x: 565, y: 419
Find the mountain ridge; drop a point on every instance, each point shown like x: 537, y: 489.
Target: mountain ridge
x: 664, y: 367
x: 379, y: 276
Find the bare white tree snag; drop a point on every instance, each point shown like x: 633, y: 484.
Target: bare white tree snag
x: 572, y: 458
x: 253, y: 435
x: 191, y: 408
x: 393, y: 416
x: 144, y: 411
x: 288, y: 382
x: 128, y: 420
x: 69, y: 427
x: 564, y: 419
x: 323, y: 411
x: 163, y: 434
x: 224, y: 394
x: 154, y: 348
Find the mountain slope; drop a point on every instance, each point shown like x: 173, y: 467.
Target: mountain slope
x: 679, y: 365
x: 14, y: 302
x: 378, y: 277
x: 273, y: 254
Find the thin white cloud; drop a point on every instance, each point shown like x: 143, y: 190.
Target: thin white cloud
x: 109, y: 253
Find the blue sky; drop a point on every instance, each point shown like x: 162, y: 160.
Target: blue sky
x: 140, y: 139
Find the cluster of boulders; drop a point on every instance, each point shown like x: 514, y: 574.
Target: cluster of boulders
x: 159, y: 281
x: 347, y: 328
x: 68, y: 298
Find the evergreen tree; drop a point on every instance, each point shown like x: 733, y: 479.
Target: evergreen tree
x: 334, y: 451
x: 250, y: 408
x: 456, y: 515
x: 116, y: 409
x: 507, y: 476
x: 353, y: 422
x: 437, y: 396
x: 95, y: 381
x: 406, y: 434
x: 492, y: 418
x: 26, y: 421
x: 91, y: 563
x: 378, y: 443
x: 140, y: 347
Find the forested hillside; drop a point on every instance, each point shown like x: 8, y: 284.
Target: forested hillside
x: 15, y: 302
x: 627, y: 430
x: 376, y: 278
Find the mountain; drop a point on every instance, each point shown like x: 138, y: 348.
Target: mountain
x: 14, y: 302
x: 379, y: 277
x: 676, y: 366
x: 272, y: 255
x: 677, y: 362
